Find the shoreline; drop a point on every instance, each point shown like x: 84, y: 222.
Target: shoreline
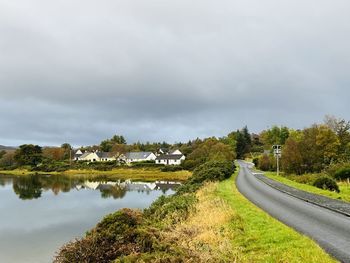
x: 145, y: 174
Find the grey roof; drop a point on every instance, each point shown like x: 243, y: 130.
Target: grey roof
x: 137, y: 155
x: 104, y: 154
x: 170, y: 157
x: 84, y: 154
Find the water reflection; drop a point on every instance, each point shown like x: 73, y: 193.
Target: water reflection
x: 32, y: 186
x: 44, y: 212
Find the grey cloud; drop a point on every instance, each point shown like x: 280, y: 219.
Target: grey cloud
x: 153, y: 70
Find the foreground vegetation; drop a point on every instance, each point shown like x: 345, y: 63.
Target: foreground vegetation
x: 207, y: 220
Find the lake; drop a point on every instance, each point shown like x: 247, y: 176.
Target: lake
x: 41, y: 213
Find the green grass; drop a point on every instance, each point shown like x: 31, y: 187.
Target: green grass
x: 343, y: 186
x: 261, y: 238
x: 147, y: 174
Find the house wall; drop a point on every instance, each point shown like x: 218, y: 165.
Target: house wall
x: 171, y: 161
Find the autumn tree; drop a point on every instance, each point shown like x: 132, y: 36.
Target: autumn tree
x: 341, y: 128
x: 292, y: 160
x: 211, y: 149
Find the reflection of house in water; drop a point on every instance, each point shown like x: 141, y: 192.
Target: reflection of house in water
x: 128, y: 185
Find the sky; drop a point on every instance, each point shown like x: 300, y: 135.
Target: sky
x: 81, y: 71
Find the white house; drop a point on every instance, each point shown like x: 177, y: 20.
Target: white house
x: 170, y: 159
x: 139, y: 157
x: 97, y: 157
x: 177, y: 151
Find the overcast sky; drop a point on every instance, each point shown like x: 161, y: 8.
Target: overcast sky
x: 80, y: 71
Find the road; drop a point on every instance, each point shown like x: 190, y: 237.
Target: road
x: 329, y: 229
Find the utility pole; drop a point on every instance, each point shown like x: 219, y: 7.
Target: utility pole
x: 277, y: 151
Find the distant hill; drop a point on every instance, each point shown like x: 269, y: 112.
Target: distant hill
x: 7, y: 148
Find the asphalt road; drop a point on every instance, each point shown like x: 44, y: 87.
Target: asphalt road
x: 329, y: 229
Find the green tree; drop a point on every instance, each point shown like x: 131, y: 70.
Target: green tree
x: 28, y: 154
x: 243, y: 142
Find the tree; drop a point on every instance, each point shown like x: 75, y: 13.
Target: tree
x: 341, y: 128
x: 327, y: 143
x: 67, y: 150
x: 275, y: 135
x: 119, y: 139
x: 2, y: 153
x: 28, y: 154
x: 211, y: 149
x: 292, y: 160
x: 243, y: 142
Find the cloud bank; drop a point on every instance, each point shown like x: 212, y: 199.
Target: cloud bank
x: 81, y: 71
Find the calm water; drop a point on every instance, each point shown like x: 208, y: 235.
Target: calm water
x: 41, y: 213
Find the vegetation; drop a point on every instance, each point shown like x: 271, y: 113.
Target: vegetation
x: 305, y: 182
x: 179, y: 228
x: 326, y: 183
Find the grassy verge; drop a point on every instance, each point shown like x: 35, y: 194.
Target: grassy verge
x: 149, y: 174
x: 260, y: 238
x: 343, y: 186
x: 203, y: 222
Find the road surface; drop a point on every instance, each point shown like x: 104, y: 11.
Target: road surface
x: 329, y: 229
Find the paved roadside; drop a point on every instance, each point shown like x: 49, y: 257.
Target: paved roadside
x: 323, y: 201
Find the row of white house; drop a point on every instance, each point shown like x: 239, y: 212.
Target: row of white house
x: 172, y: 158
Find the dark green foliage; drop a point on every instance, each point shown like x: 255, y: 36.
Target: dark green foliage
x: 28, y: 154
x: 243, y: 142
x: 2, y: 153
x: 171, y: 208
x: 256, y: 162
x: 326, y: 183
x: 28, y: 188
x: 114, y: 236
x: 342, y: 174
x: 213, y: 171
x: 146, y: 164
x: 172, y: 168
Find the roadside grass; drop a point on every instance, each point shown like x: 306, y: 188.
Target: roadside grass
x: 145, y: 174
x: 343, y: 186
x: 257, y: 237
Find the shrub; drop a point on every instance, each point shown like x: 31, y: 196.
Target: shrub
x: 342, y: 174
x: 213, y: 171
x: 170, y: 209
x: 171, y: 168
x: 114, y: 236
x: 326, y: 183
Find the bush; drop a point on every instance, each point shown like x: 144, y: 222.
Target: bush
x: 326, y: 183
x: 114, y: 236
x: 171, y: 168
x: 170, y: 209
x: 213, y: 171
x: 256, y: 162
x: 342, y: 174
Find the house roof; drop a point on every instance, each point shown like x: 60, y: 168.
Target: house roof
x: 137, y: 155
x: 170, y: 157
x: 104, y: 154
x: 84, y: 155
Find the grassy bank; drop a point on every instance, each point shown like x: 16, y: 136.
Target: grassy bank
x: 146, y: 174
x: 343, y: 186
x: 260, y: 238
x: 203, y: 222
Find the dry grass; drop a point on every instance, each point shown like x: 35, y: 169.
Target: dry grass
x: 206, y: 233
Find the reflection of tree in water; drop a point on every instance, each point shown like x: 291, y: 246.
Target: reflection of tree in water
x: 60, y: 183
x: 28, y: 187
x: 116, y: 192
x: 31, y: 186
